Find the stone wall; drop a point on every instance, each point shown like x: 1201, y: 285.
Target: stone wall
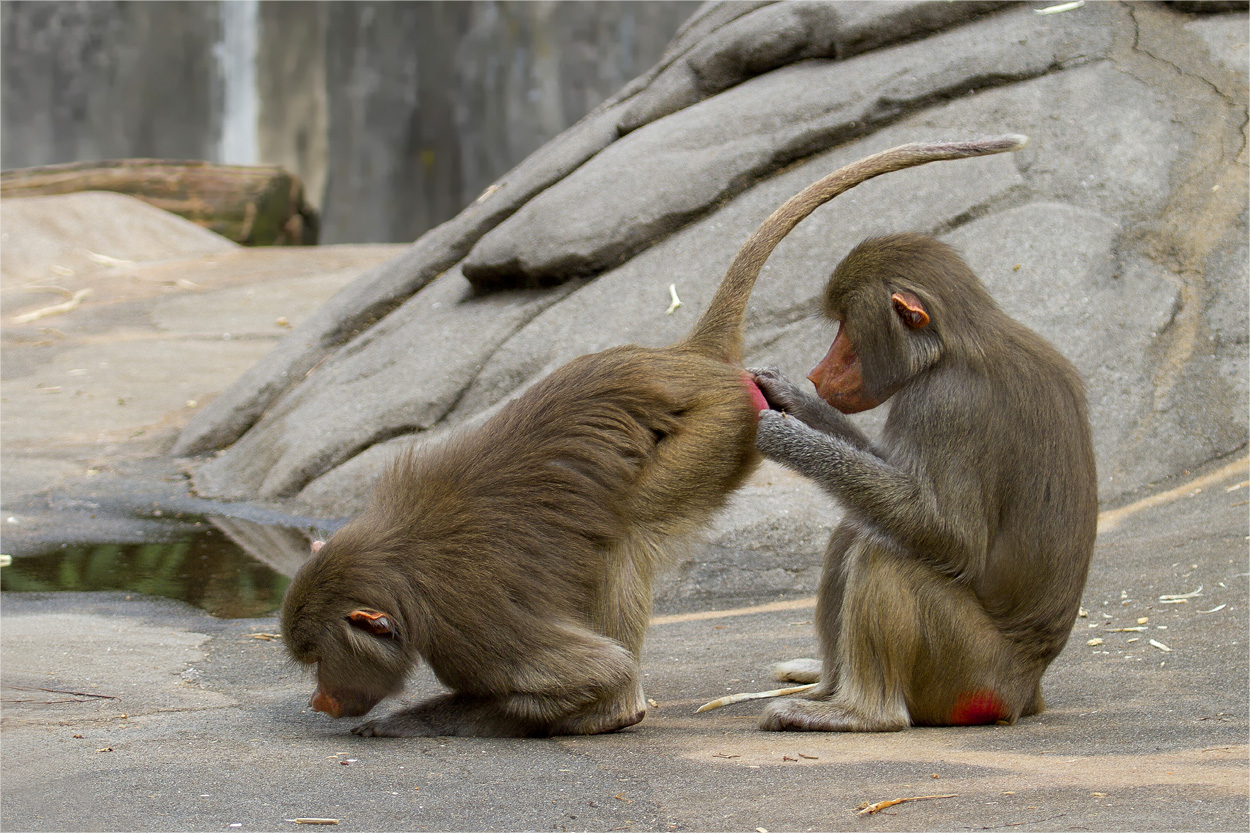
x: 395, y: 115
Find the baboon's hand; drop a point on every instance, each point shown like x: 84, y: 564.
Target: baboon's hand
x: 781, y: 393
x: 805, y: 405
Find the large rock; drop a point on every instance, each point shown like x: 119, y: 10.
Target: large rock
x: 1119, y: 233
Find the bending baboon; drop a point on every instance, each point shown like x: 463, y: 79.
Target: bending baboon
x: 518, y: 559
x: 956, y: 575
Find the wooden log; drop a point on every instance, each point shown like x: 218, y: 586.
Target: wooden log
x: 252, y: 205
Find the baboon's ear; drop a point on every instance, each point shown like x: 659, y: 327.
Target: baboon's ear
x: 372, y: 621
x: 910, y: 310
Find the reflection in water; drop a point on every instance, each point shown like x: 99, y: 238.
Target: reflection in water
x: 230, y: 568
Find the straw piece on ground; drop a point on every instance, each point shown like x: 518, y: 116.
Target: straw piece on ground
x: 753, y: 695
x: 869, y: 809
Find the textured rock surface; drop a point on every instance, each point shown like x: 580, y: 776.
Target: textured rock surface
x: 1119, y: 233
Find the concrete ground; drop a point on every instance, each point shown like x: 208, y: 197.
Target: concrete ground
x: 131, y: 713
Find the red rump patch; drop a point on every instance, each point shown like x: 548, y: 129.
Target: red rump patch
x: 976, y: 708
x: 323, y: 702
x: 757, y: 396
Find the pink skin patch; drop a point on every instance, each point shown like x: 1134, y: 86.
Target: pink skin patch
x: 757, y: 396
x: 976, y: 708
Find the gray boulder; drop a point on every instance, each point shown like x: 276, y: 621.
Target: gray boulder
x: 1119, y: 233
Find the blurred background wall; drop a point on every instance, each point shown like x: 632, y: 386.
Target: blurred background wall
x: 394, y: 114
